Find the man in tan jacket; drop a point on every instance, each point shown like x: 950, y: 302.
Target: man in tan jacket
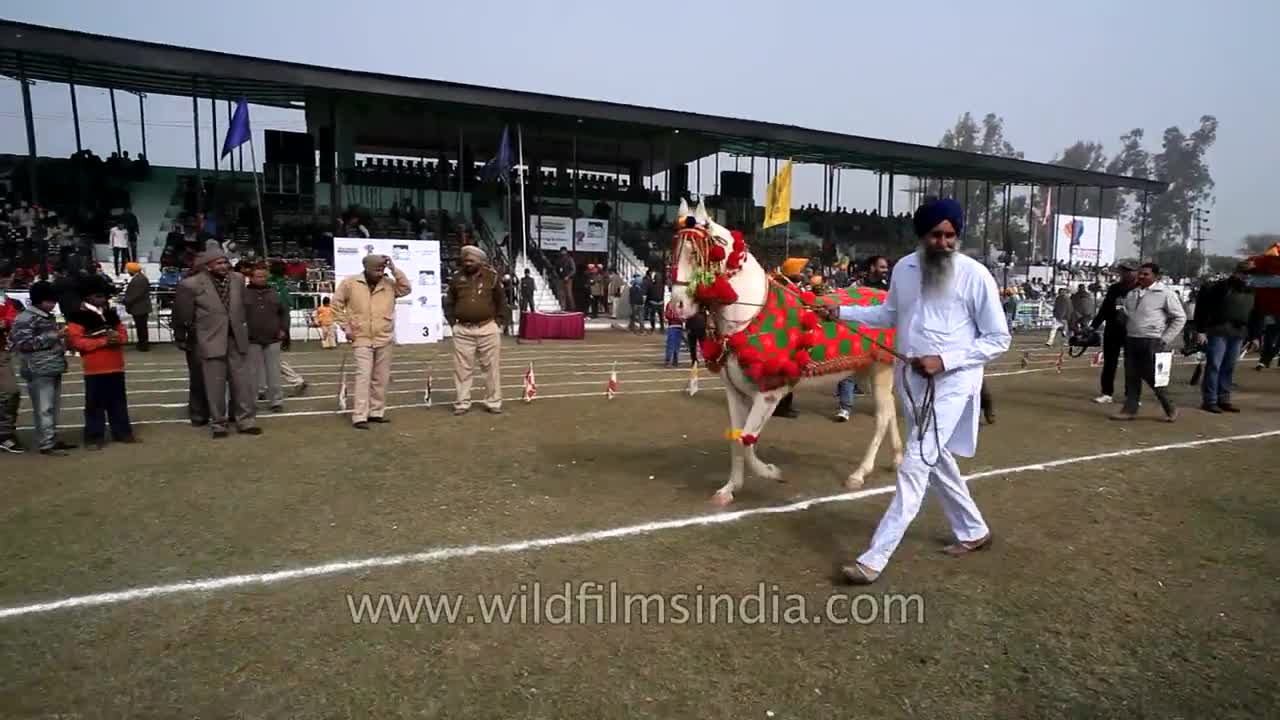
x: 365, y: 308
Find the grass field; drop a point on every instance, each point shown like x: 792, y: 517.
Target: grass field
x: 1135, y: 578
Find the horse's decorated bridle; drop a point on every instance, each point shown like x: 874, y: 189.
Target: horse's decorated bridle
x: 711, y: 265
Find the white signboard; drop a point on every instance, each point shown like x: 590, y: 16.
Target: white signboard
x: 552, y: 232
x: 591, y: 235
x: 1077, y: 239
x: 420, y: 314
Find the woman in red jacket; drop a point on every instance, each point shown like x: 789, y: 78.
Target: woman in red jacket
x: 95, y: 331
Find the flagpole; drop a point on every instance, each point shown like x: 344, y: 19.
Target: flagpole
x: 262, y: 226
x: 524, y: 211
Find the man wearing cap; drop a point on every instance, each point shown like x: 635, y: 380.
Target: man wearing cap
x: 137, y: 302
x: 209, y: 316
x: 1113, y: 335
x: 365, y: 308
x: 476, y: 306
x: 946, y: 309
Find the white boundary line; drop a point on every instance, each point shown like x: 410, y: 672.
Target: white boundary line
x: 464, y: 551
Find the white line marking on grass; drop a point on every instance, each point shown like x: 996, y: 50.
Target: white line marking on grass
x: 464, y: 551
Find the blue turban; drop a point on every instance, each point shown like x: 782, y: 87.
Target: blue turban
x: 934, y: 212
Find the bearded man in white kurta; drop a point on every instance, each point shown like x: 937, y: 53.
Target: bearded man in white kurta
x: 950, y: 324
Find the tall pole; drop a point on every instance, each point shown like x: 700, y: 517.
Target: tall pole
x: 257, y: 194
x: 115, y: 119
x: 1075, y: 194
x: 462, y: 173
x: 195, y: 128
x: 75, y: 113
x: 142, y: 119
x: 524, y: 211
x: 880, y: 193
x: 573, y: 216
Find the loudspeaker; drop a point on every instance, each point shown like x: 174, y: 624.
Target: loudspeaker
x: 289, y: 148
x: 326, y: 154
x: 735, y: 184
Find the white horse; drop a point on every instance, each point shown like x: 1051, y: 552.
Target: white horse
x: 749, y: 406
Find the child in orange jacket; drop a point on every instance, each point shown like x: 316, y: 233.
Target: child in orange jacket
x: 95, y: 331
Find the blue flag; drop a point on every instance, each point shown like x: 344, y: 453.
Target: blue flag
x: 238, y: 131
x: 500, y: 165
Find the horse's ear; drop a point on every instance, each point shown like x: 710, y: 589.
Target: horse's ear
x: 683, y: 212
x: 701, y: 213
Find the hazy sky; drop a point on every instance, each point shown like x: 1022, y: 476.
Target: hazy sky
x: 1057, y: 72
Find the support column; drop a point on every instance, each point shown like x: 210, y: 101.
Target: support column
x: 195, y: 129
x: 115, y: 119
x: 1008, y: 246
x: 986, y: 225
x: 1031, y: 227
x: 142, y: 119
x: 33, y: 176
x: 213, y: 115
x: 1142, y: 232
x: 1097, y: 249
x: 880, y: 193
x: 75, y: 113
x: 1052, y: 237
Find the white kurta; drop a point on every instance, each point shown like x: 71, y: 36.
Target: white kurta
x: 966, y: 327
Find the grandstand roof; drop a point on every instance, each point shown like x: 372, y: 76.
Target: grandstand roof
x: 609, y: 134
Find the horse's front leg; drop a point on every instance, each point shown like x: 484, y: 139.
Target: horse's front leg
x: 737, y: 416
x: 762, y: 406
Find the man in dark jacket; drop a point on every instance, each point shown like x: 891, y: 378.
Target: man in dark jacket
x: 268, y: 319
x: 1224, y: 311
x: 1113, y: 336
x: 137, y: 302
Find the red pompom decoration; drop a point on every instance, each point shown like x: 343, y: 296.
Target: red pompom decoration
x: 803, y: 359
x: 739, y: 244
x: 716, y: 253
x: 748, y: 356
x: 788, y: 369
x: 773, y: 366
x: 810, y: 320
x: 808, y: 298
x: 767, y: 343
x: 748, y: 439
x: 711, y: 349
x: 814, y: 338
x: 755, y: 372
x: 805, y: 340
x: 738, y: 341
x: 735, y: 260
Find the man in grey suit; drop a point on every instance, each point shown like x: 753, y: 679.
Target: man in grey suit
x: 208, y: 314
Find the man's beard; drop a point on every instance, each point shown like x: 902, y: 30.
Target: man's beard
x: 937, y: 272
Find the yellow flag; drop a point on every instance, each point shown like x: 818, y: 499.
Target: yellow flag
x: 777, y: 209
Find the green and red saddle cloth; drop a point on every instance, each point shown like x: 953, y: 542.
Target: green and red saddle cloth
x: 787, y: 340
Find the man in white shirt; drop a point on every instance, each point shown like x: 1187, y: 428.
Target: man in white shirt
x: 946, y: 309
x: 119, y: 237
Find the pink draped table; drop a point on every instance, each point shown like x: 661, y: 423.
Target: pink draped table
x: 553, y: 326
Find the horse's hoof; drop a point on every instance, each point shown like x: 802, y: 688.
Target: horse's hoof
x: 854, y: 481
x: 722, y: 498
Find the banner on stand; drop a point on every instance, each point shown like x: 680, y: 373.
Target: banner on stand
x: 420, y: 314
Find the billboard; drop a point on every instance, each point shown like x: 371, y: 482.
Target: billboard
x: 552, y: 232
x: 1077, y: 240
x: 420, y: 314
